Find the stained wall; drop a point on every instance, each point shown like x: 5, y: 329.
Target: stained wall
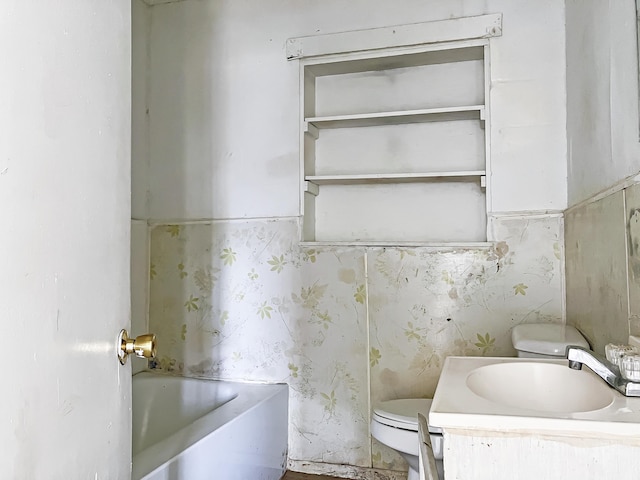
x: 344, y: 327
x: 231, y: 292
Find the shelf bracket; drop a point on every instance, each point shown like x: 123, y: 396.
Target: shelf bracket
x: 311, y: 129
x: 312, y: 188
x: 483, y: 181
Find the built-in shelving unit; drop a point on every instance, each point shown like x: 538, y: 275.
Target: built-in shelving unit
x: 395, y: 141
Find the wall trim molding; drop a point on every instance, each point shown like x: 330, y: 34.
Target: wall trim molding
x: 345, y: 471
x: 453, y: 29
x: 151, y: 3
x: 153, y: 222
x: 527, y: 214
x: 615, y: 188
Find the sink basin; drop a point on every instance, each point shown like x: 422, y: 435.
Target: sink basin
x: 539, y: 396
x: 543, y: 387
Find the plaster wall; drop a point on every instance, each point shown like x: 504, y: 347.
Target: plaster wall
x: 602, y: 96
x: 223, y: 101
x: 140, y: 24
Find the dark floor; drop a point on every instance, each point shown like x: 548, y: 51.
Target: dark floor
x: 304, y: 476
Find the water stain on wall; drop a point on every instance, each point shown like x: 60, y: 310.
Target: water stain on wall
x: 347, y: 275
x: 633, y: 231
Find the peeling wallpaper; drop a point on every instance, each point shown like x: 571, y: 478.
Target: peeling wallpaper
x: 344, y: 327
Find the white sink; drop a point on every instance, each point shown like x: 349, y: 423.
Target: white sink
x: 542, y: 387
x: 527, y: 395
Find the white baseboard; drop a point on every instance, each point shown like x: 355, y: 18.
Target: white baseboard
x: 345, y: 471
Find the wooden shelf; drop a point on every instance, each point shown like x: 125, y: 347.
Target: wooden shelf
x: 473, y: 112
x: 380, y: 62
x: 460, y: 176
x: 437, y: 190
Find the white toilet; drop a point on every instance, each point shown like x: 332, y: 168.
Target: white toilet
x: 545, y: 340
x: 394, y: 423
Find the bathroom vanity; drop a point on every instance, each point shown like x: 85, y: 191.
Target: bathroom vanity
x: 524, y: 419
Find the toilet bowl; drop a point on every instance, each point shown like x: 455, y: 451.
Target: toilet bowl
x: 394, y: 423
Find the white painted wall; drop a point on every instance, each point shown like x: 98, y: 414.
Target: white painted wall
x: 140, y: 25
x: 223, y: 100
x: 140, y: 28
x: 602, y: 95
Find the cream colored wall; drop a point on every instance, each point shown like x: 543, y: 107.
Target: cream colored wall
x: 238, y: 298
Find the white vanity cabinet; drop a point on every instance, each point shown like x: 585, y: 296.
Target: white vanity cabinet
x: 530, y: 455
x: 533, y: 419
x: 394, y: 141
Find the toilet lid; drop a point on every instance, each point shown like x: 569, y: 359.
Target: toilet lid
x: 546, y: 339
x: 403, y: 413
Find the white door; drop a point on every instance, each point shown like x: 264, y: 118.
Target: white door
x: 64, y: 238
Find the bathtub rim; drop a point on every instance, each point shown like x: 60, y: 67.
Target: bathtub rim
x: 250, y: 396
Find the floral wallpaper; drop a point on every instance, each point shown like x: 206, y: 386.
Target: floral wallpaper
x: 240, y: 300
x: 345, y: 327
x: 425, y: 306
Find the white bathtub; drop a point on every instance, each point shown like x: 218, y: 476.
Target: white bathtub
x: 192, y: 429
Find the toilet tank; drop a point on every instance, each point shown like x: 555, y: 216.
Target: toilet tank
x: 545, y: 340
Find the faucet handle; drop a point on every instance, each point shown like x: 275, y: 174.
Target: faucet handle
x: 630, y: 367
x: 614, y: 353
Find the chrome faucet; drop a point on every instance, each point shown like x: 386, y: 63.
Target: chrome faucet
x: 606, y: 370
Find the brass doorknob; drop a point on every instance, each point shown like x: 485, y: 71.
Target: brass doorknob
x: 143, y: 346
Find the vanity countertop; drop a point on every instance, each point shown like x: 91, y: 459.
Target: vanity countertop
x: 456, y: 406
